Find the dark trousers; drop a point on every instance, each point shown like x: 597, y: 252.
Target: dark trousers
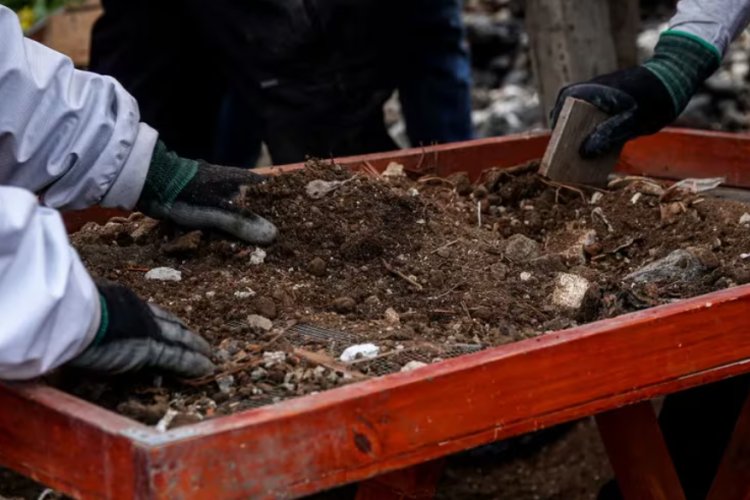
x: 308, y: 77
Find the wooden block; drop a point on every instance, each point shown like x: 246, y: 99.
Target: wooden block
x: 562, y: 161
x: 638, y: 453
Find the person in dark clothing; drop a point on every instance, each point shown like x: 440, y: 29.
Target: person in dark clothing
x: 307, y: 77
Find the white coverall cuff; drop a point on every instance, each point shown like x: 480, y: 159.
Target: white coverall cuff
x: 126, y: 189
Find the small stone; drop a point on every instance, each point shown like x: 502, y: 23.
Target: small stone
x: 394, y: 170
x: 226, y: 384
x: 520, y: 248
x: 413, y: 365
x: 684, y: 265
x: 210, y: 294
x: 745, y: 219
x: 372, y: 301
x: 391, y: 316
x: 258, y: 374
x: 164, y: 274
x: 570, y: 291
x: 413, y: 192
x: 484, y: 313
x: 596, y: 198
x: 271, y: 359
x: 444, y: 252
x: 525, y: 276
x: 144, y: 229
x: 344, y: 305
x: 245, y: 294
x: 265, y: 306
x: 184, y: 244
x: 258, y: 322
x: 317, y: 267
x: 359, y: 351
x: 258, y: 257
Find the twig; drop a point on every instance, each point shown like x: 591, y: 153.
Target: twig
x: 368, y: 168
x: 451, y: 289
x: 328, y: 362
x: 559, y: 186
x: 401, y: 275
x: 449, y: 244
x: 137, y: 269
x: 479, y: 214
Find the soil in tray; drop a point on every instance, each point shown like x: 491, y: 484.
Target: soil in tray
x: 424, y: 268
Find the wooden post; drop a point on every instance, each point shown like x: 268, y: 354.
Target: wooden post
x: 571, y: 41
x: 625, y: 18
x: 638, y: 454
x: 732, y: 481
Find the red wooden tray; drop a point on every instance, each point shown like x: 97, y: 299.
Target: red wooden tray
x: 374, y: 427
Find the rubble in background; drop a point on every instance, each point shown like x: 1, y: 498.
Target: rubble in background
x: 505, y: 98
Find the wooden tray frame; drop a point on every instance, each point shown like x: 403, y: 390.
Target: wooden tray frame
x: 376, y: 427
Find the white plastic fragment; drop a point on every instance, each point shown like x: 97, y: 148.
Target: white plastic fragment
x: 164, y: 274
x: 413, y: 365
x: 163, y: 424
x: 596, y: 198
x: 745, y: 219
x: 635, y: 198
x: 359, y: 351
x: 694, y: 185
x: 258, y: 257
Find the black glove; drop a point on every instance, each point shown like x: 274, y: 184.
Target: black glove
x: 644, y: 99
x: 134, y: 335
x: 197, y: 195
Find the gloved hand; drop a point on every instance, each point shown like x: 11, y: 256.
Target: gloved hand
x: 134, y: 335
x: 198, y: 195
x: 644, y: 99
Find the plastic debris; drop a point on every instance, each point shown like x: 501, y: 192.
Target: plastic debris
x: 258, y: 257
x: 359, y: 351
x: 164, y: 274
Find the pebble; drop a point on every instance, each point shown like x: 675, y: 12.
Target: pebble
x: 359, y: 351
x: 258, y: 374
x: 413, y: 365
x: 317, y: 267
x: 520, y: 248
x: 265, y: 306
x: 145, y: 228
x: 258, y: 257
x: 745, y: 219
x: 164, y: 274
x: 226, y: 384
x: 259, y: 322
x: 273, y: 358
x: 344, y: 305
x: 186, y: 243
x: 570, y: 291
x: 391, y: 316
x: 244, y: 294
x: 525, y: 276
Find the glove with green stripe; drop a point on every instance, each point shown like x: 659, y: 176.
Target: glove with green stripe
x: 198, y: 195
x: 644, y: 99
x: 134, y: 336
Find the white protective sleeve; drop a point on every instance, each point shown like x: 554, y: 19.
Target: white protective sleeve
x: 718, y: 22
x: 74, y: 139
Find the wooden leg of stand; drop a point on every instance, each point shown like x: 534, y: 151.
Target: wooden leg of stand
x: 732, y: 482
x: 415, y: 483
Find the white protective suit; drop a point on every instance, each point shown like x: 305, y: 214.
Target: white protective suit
x: 74, y: 139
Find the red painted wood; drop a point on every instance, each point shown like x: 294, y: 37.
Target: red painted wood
x: 414, y: 483
x: 377, y: 426
x: 66, y: 443
x: 732, y: 482
x: 638, y: 453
